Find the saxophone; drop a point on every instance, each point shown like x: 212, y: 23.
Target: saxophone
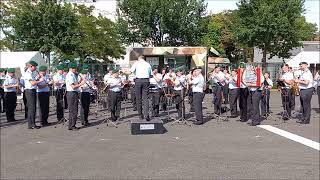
x: 295, y: 87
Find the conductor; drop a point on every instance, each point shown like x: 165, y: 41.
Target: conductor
x: 142, y: 71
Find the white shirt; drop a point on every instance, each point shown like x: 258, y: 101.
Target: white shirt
x: 59, y: 78
x: 30, y: 76
x: 306, y: 75
x: 46, y: 81
x: 10, y: 81
x: 288, y: 76
x: 233, y: 83
x: 155, y: 83
x: 86, y: 86
x: 106, y: 77
x: 132, y: 77
x: 270, y: 83
x: 71, y: 78
x: 179, y: 83
x: 219, y: 77
x: 115, y: 84
x: 198, y: 84
x: 317, y: 79
x: 141, y: 69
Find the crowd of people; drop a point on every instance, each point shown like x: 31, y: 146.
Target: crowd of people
x: 151, y: 90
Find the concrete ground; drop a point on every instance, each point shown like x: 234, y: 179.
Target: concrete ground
x: 216, y: 150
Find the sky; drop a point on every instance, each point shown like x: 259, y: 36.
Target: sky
x: 215, y: 6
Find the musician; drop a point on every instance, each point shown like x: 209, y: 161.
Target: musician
x: 2, y: 78
x: 234, y: 93
x: 10, y: 85
x: 73, y: 88
x: 115, y: 87
x: 218, y: 79
x: 286, y: 92
x: 86, y: 67
x: 251, y: 79
x: 59, y: 81
x: 155, y: 87
x: 306, y: 90
x: 84, y: 97
x: 24, y: 98
x: 293, y: 95
x: 131, y: 79
x: 317, y: 79
x: 43, y: 92
x: 265, y: 98
x: 31, y: 80
x: 105, y: 79
x: 197, y: 83
x: 179, y: 85
x: 225, y: 87
x: 143, y: 72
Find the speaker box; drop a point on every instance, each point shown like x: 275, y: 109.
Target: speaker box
x: 154, y: 126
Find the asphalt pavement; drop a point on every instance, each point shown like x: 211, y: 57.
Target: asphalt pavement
x: 216, y: 150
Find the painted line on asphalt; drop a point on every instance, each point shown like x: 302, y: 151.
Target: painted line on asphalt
x: 291, y: 136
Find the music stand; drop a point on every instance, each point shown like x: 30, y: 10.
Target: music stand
x: 106, y: 120
x: 286, y: 97
x: 182, y: 120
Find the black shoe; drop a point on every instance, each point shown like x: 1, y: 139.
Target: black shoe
x: 254, y: 123
x: 285, y: 118
x: 134, y: 109
x: 198, y: 123
x: 12, y: 120
x: 46, y: 124
x: 299, y: 121
x: 148, y: 118
x: 35, y: 127
x: 86, y: 124
x: 232, y: 116
x: 74, y: 129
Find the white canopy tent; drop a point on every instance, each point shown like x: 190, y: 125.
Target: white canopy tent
x: 311, y: 57
x: 19, y: 59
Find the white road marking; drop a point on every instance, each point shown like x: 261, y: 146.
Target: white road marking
x: 293, y: 137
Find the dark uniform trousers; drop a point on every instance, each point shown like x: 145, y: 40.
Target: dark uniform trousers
x: 178, y: 100
x: 163, y: 98
x: 254, y: 105
x: 65, y: 100
x: 59, y: 100
x: 265, y: 105
x: 154, y: 96
x: 244, y: 93
x: 305, y: 98
x: 114, y: 104
x: 72, y: 99
x: 190, y: 99
x: 234, y: 95
x: 44, y: 106
x: 142, y: 94
x: 217, y: 92
x: 85, y: 105
x: 286, y: 100
x: 10, y: 99
x: 225, y: 90
x: 31, y: 96
x: 24, y: 98
x: 133, y: 97
x: 197, y: 102
x: 2, y: 102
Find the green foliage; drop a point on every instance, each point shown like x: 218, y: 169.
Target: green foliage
x: 70, y: 31
x: 306, y: 31
x: 161, y: 22
x: 269, y: 25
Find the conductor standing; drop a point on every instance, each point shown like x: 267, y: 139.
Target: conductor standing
x: 142, y: 71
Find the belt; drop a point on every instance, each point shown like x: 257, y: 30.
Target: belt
x: 115, y: 91
x: 197, y: 92
x: 142, y: 78
x: 305, y: 89
x: 11, y: 92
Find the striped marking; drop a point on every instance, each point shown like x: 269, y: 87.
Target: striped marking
x: 291, y: 136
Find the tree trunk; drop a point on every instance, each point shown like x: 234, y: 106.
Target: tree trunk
x: 264, y: 59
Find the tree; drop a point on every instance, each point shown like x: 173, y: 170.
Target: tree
x: 99, y: 36
x: 306, y: 31
x: 161, y: 22
x: 269, y: 25
x: 221, y: 35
